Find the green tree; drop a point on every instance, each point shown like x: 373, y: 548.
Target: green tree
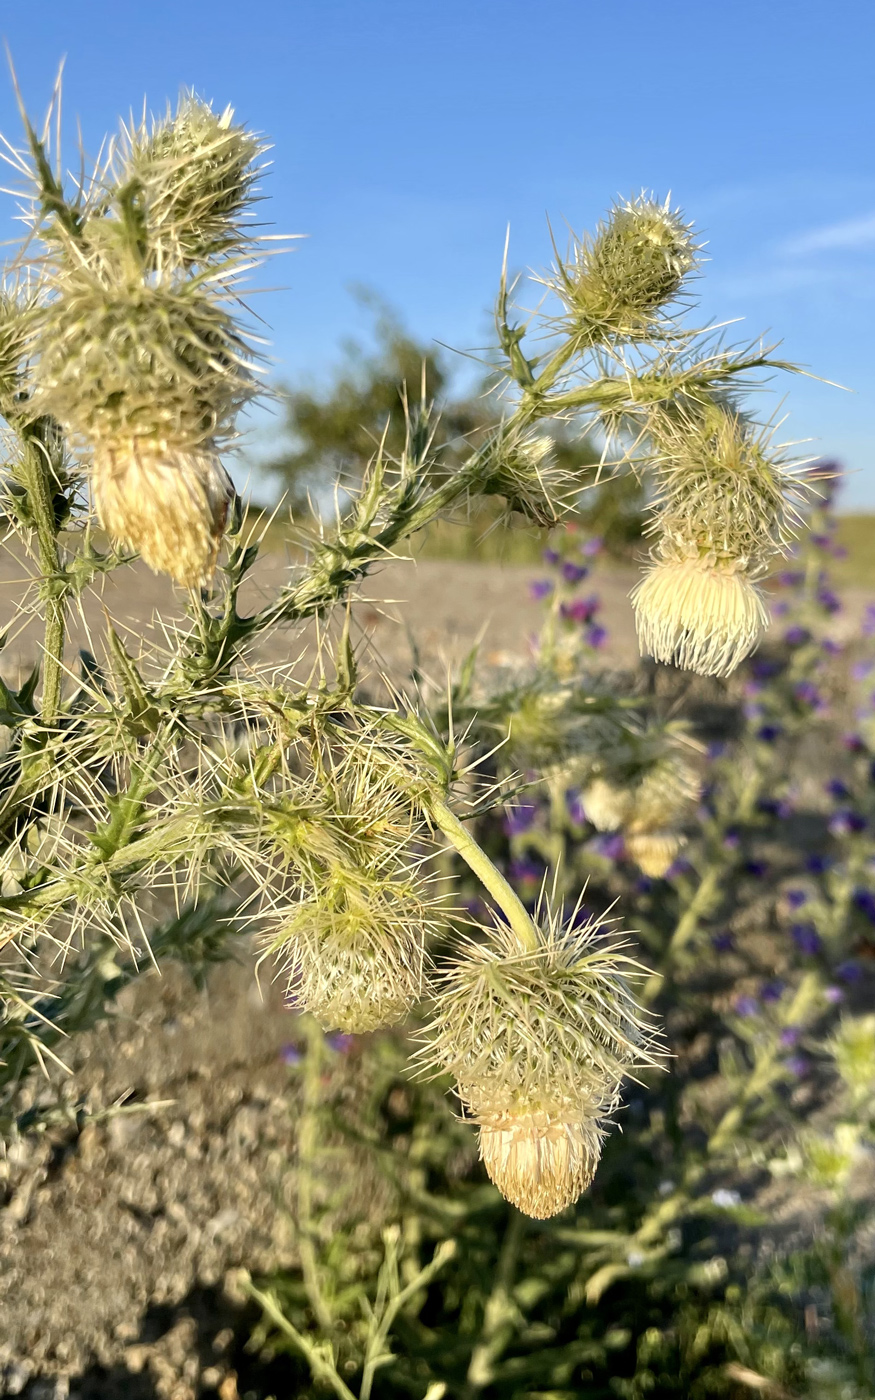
x: 332, y: 434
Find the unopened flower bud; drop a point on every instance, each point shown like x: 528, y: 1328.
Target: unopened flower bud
x: 356, y: 953
x: 620, y: 279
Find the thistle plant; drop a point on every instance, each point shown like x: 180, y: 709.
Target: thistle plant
x: 190, y: 774
x: 539, y: 1034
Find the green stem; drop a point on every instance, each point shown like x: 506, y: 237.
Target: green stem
x: 37, y: 470
x: 507, y: 899
x: 376, y: 1351
x: 500, y: 1313
x: 308, y: 1132
x: 321, y: 1367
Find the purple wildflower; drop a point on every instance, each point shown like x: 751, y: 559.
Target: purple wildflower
x: 290, y: 1055
x: 826, y: 478
x: 732, y: 839
x: 865, y: 902
x: 836, y: 788
x: 806, y: 938
x: 596, y: 636
x: 525, y: 870
x: 817, y: 864
x: 790, y: 1037
x: 854, y: 743
x: 757, y: 869
x: 834, y: 995
x: 723, y: 942
x: 746, y: 1006
x: 772, y: 991
x: 789, y: 578
x: 550, y: 556
x: 847, y: 823
x: 832, y: 647
x: 519, y: 818
x: 768, y: 733
x: 797, y: 1065
x: 828, y: 600
x: 780, y: 609
x: 539, y: 589
x: 868, y: 625
x: 574, y: 573
x: 581, y: 609
x: 797, y: 636
x: 576, y: 810
x: 808, y: 693
x: 340, y: 1042
x: 592, y: 547
x: 610, y: 845
x: 796, y: 898
x: 764, y: 668
x: 849, y: 971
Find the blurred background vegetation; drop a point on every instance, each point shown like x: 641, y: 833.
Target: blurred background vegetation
x: 330, y: 433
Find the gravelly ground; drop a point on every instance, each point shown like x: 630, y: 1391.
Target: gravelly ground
x: 116, y: 1244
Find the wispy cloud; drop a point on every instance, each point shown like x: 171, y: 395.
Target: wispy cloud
x: 849, y: 234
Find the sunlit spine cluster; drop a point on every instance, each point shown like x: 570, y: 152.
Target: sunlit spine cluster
x: 137, y: 347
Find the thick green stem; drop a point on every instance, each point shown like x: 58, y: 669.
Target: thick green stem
x: 37, y: 467
x: 507, y: 899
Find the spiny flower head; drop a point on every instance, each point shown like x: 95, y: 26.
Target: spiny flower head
x: 654, y: 852
x: 522, y: 469
x: 700, y: 612
x: 617, y: 281
x: 538, y: 1041
x: 665, y: 793
x: 355, y: 948
x: 137, y: 347
x: 124, y: 357
x: 195, y: 170
x: 720, y: 488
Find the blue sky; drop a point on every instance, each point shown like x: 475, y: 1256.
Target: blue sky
x: 407, y: 135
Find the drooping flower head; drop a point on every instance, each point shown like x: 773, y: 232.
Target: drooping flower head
x: 355, y: 950
x: 725, y: 506
x: 699, y: 613
x: 538, y: 1041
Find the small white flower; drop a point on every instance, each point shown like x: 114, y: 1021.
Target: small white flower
x: 725, y: 1199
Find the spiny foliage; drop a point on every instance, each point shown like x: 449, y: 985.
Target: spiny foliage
x: 183, y: 770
